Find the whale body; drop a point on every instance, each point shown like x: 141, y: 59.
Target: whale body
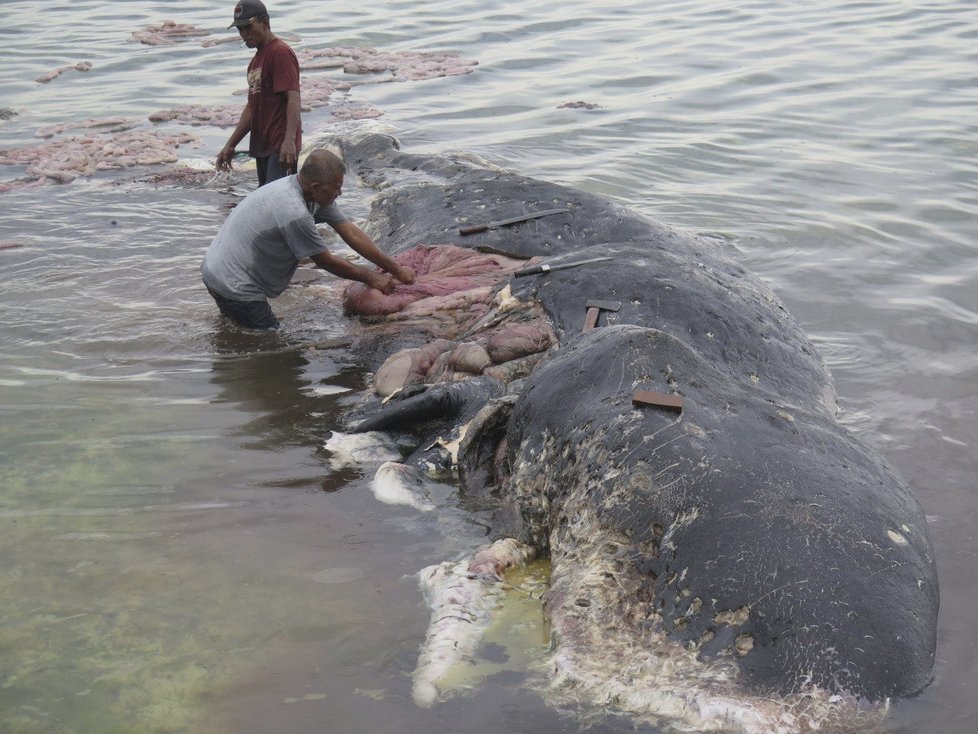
x: 747, y: 539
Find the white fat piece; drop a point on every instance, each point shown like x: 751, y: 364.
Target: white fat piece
x: 356, y: 449
x: 462, y: 596
x: 400, y: 484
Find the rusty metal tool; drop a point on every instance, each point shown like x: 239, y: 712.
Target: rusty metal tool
x: 594, y: 309
x: 476, y: 228
x: 544, y: 268
x: 658, y: 399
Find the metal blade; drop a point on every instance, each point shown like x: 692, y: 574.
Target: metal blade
x: 545, y: 268
x: 525, y: 217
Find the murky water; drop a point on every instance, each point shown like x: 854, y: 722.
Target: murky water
x: 177, y: 552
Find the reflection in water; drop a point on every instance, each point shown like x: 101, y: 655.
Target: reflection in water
x: 264, y: 374
x: 291, y: 391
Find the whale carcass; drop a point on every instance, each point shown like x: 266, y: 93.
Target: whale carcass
x: 724, y: 554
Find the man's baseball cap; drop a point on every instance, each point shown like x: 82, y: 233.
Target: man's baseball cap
x: 246, y: 11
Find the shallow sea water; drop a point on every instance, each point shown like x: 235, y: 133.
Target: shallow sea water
x: 178, y: 553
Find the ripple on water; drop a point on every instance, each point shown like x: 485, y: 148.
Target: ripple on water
x: 337, y: 575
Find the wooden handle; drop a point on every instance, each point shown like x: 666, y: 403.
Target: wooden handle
x: 474, y: 229
x: 658, y: 399
x: 532, y: 270
x: 591, y: 319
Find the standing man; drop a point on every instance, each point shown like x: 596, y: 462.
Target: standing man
x: 271, y: 115
x: 260, y: 244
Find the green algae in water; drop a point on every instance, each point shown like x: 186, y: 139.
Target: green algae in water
x: 122, y: 610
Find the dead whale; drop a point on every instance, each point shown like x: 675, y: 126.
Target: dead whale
x: 744, y: 563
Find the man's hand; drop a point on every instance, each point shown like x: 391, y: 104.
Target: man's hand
x: 405, y: 275
x: 383, y: 282
x: 223, y: 162
x: 287, y: 154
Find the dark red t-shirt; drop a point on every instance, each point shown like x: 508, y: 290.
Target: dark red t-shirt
x: 273, y: 71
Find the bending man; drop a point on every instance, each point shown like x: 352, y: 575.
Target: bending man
x: 259, y: 246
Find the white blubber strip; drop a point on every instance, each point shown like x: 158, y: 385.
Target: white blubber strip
x: 355, y: 449
x: 462, y: 596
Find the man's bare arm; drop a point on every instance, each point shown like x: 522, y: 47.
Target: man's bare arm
x: 223, y: 162
x: 362, y: 244
x: 287, y: 153
x: 345, y: 269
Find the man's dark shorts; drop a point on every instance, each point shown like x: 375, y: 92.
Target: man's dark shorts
x: 271, y: 168
x: 250, y: 314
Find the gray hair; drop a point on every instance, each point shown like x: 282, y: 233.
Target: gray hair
x: 322, y: 166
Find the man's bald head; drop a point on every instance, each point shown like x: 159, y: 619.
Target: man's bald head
x: 322, y: 166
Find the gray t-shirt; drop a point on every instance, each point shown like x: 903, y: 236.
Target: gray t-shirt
x: 259, y: 246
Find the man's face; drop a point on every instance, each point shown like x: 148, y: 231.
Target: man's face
x: 325, y: 194
x: 253, y: 34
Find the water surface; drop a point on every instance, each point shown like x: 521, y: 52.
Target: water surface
x: 178, y: 553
